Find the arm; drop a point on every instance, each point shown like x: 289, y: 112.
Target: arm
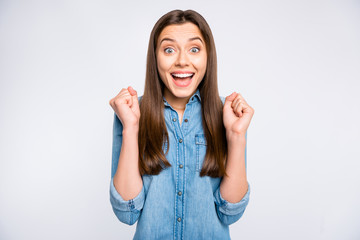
x: 234, y: 186
x: 127, y: 193
x: 232, y: 196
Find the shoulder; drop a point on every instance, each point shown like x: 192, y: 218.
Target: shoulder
x: 222, y: 99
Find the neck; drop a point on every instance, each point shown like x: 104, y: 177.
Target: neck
x: 175, y: 102
x: 178, y: 108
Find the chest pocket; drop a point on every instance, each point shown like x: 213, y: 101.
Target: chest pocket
x: 200, y: 143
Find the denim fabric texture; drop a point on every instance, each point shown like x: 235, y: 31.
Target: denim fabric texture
x: 177, y: 203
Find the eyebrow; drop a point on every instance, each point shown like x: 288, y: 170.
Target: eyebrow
x: 190, y: 39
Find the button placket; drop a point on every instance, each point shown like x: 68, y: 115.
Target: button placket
x: 179, y: 213
x: 185, y: 126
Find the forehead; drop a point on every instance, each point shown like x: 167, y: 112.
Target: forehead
x: 180, y: 31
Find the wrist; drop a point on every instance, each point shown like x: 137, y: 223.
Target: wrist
x: 237, y: 137
x: 129, y: 130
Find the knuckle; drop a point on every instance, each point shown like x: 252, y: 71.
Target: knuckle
x: 123, y: 90
x: 117, y: 101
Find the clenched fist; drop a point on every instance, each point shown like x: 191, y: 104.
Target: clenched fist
x: 237, y: 114
x: 126, y: 107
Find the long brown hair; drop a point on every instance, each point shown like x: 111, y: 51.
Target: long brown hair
x: 152, y: 129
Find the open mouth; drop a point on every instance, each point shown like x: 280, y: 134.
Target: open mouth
x: 182, y: 79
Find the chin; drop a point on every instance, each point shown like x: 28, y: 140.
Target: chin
x: 183, y: 93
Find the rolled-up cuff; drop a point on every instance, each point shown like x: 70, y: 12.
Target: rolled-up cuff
x: 135, y: 204
x: 229, y: 208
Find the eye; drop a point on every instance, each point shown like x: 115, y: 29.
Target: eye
x: 169, y: 50
x: 194, y: 50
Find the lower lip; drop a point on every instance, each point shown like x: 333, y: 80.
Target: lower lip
x: 182, y: 83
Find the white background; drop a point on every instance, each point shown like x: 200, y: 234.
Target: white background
x: 295, y: 62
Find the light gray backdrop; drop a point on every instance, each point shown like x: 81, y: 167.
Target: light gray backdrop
x: 295, y: 62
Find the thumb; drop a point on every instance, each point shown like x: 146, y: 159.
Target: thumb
x: 229, y: 99
x: 134, y: 96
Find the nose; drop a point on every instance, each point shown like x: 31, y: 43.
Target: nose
x: 182, y: 59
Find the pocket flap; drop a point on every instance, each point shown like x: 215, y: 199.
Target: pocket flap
x: 200, y: 139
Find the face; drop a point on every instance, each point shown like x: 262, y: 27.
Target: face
x: 181, y: 60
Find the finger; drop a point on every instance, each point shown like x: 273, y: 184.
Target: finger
x: 247, y: 109
x: 124, y: 93
x: 240, y: 96
x: 236, y: 108
x: 236, y: 101
x: 121, y: 93
x: 239, y: 109
x: 130, y: 100
x: 131, y: 91
x: 229, y: 99
x: 237, y: 104
x: 134, y: 95
x: 123, y: 97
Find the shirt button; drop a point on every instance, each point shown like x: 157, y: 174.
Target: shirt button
x: 179, y: 193
x: 174, y: 119
x: 179, y: 219
x: 181, y: 166
x: 186, y: 120
x: 180, y: 140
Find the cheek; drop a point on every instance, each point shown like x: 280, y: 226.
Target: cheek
x: 159, y: 64
x: 164, y: 63
x: 201, y: 65
x: 162, y: 70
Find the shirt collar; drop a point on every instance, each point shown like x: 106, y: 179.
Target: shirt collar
x: 196, y: 94
x: 195, y: 97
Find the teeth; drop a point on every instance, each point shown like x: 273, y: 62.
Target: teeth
x: 182, y: 75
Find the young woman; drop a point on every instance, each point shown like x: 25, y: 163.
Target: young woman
x: 179, y: 151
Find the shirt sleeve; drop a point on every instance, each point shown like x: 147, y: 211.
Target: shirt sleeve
x: 228, y: 212
x: 129, y: 211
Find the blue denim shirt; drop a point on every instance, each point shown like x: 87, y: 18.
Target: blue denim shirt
x: 177, y: 203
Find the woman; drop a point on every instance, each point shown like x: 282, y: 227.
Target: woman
x: 179, y: 151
